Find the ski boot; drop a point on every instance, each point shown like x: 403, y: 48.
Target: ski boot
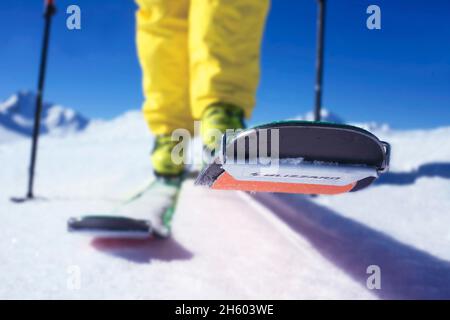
x: 216, y: 119
x: 161, y: 158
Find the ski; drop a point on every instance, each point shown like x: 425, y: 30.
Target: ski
x: 110, y: 226
x: 146, y: 214
x: 297, y: 157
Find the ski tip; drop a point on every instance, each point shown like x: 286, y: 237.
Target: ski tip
x: 311, y: 158
x: 110, y: 227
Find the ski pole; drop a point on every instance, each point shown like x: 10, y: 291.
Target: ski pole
x: 319, y: 57
x: 49, y: 11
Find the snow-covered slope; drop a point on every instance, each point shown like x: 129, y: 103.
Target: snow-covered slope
x: 227, y: 245
x: 17, y: 117
x: 7, y: 135
x: 325, y: 115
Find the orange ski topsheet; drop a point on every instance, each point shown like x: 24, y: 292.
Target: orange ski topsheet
x: 226, y: 182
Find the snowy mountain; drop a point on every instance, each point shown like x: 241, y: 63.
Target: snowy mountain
x: 17, y: 117
x: 328, y: 116
x: 225, y: 244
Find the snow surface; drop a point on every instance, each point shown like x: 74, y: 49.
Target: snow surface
x: 328, y: 116
x: 225, y: 244
x: 325, y: 115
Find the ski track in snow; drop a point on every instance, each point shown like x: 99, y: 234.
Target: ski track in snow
x: 226, y: 245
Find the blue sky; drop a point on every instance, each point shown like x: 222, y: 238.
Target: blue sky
x: 399, y: 74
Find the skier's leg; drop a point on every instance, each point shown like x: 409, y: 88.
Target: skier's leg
x: 224, y: 48
x: 163, y: 54
x: 162, y: 48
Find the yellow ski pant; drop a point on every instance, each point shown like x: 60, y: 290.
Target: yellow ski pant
x: 197, y: 52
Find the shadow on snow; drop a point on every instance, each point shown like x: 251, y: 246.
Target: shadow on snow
x: 406, y: 272
x: 143, y: 250
x: 437, y: 169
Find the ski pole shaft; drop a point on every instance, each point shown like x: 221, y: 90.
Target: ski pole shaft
x: 48, y: 13
x: 319, y: 58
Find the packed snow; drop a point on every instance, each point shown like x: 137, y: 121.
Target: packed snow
x: 225, y: 244
x: 325, y: 115
x: 328, y: 116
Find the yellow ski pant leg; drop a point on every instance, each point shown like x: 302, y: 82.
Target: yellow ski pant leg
x: 161, y: 35
x: 224, y: 52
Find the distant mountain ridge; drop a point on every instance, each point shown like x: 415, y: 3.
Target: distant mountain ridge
x: 17, y: 116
